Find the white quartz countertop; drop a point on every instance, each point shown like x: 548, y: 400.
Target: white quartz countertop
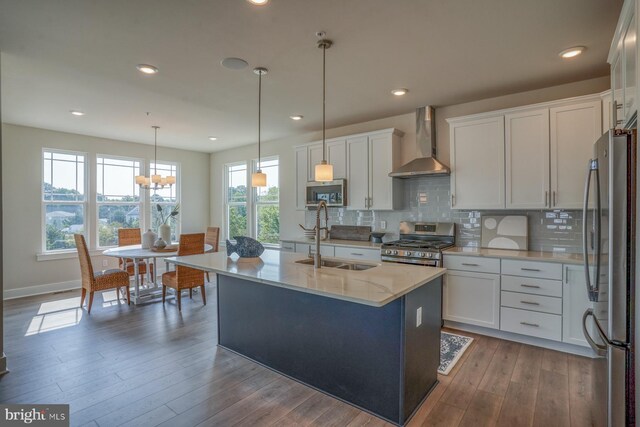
x: 559, y: 257
x: 334, y: 242
x: 375, y: 287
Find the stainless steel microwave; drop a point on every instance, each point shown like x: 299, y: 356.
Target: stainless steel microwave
x: 333, y: 192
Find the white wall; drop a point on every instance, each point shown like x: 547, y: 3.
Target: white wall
x: 289, y: 217
x: 21, y: 196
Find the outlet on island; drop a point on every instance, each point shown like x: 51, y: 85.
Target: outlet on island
x: 418, y: 316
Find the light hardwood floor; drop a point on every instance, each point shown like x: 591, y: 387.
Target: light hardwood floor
x: 150, y: 365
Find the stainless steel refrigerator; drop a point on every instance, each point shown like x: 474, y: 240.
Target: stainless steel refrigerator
x: 609, y: 245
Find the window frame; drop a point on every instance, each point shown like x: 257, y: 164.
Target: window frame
x: 44, y: 203
x: 151, y: 210
x: 141, y: 202
x: 255, y: 204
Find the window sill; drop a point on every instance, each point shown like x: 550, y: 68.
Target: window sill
x: 53, y: 256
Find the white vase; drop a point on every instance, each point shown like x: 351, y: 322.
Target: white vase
x: 165, y: 233
x: 148, y: 239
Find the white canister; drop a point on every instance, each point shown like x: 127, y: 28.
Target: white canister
x: 148, y: 239
x: 165, y: 233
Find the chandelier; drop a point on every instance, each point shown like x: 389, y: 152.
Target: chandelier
x: 155, y: 181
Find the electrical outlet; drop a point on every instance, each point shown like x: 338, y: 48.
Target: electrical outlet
x: 418, y: 316
x: 383, y: 225
x: 105, y: 263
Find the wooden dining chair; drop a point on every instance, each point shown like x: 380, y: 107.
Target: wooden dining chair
x: 186, y: 277
x: 100, y: 281
x: 128, y: 237
x: 212, y: 237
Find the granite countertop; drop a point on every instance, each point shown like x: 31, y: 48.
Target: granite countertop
x: 375, y: 287
x: 560, y: 257
x: 334, y: 242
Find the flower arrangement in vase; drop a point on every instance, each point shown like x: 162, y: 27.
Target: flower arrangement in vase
x: 164, y: 231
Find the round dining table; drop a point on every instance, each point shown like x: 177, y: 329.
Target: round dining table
x: 152, y: 291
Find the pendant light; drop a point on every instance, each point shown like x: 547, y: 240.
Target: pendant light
x: 259, y: 179
x: 324, y: 171
x: 155, y: 181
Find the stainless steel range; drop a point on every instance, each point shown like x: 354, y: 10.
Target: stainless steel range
x: 420, y: 243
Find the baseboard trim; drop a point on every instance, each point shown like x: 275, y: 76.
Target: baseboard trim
x: 50, y: 288
x: 538, y: 342
x: 3, y: 364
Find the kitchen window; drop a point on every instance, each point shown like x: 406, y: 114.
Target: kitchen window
x: 118, y: 201
x: 167, y: 198
x: 64, y: 201
x: 236, y: 200
x: 267, y: 204
x: 253, y: 212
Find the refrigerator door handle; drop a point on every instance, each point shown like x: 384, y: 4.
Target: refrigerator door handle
x: 592, y: 289
x: 600, y: 349
x: 603, y: 336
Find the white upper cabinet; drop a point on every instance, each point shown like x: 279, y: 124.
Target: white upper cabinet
x: 527, y: 159
x: 365, y: 160
x: 302, y: 176
x: 623, y: 58
x: 381, y: 158
x: 337, y: 157
x: 358, y: 172
x: 315, y: 157
x: 477, y: 163
x: 573, y: 131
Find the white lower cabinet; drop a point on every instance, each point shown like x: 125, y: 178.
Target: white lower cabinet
x: 574, y: 304
x: 473, y: 298
x: 357, y: 253
x: 532, y: 323
x: 287, y: 246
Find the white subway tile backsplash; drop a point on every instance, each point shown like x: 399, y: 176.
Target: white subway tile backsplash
x: 555, y: 230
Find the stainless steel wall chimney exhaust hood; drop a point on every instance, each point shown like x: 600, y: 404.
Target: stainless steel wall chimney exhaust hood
x: 427, y: 164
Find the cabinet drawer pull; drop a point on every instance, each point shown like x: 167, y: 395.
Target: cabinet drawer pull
x: 529, y: 302
x: 529, y: 269
x: 529, y: 286
x: 469, y: 264
x: 535, y: 325
x: 356, y: 254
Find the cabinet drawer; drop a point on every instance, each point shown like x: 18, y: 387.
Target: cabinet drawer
x: 288, y: 246
x: 358, y: 253
x: 541, y: 270
x: 541, y: 325
x: 546, y: 287
x: 543, y: 304
x: 472, y: 263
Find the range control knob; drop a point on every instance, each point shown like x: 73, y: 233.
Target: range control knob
x: 395, y: 252
x: 429, y: 255
x: 407, y: 253
x: 388, y: 252
x: 420, y: 254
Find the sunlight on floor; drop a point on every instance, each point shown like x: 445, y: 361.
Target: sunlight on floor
x: 54, y: 315
x: 64, y: 313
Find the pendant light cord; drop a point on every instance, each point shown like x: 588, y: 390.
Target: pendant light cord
x: 324, y: 102
x: 259, y: 113
x: 155, y: 150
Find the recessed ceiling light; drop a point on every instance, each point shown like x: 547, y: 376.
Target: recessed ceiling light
x: 572, y: 52
x: 234, y: 63
x: 76, y: 113
x: 213, y: 138
x: 296, y: 117
x: 400, y: 91
x: 258, y: 2
x: 147, y: 69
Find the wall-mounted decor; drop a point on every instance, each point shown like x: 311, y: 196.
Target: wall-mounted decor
x: 505, y: 232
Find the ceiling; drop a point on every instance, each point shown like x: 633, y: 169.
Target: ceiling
x: 63, y: 55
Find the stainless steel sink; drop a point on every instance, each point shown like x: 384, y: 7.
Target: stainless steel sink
x: 342, y: 265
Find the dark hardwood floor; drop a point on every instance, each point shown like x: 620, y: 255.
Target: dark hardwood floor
x: 150, y: 365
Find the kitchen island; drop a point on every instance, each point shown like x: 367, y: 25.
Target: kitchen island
x: 370, y: 337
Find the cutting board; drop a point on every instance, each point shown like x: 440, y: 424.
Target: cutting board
x: 350, y: 232
x: 505, y: 232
